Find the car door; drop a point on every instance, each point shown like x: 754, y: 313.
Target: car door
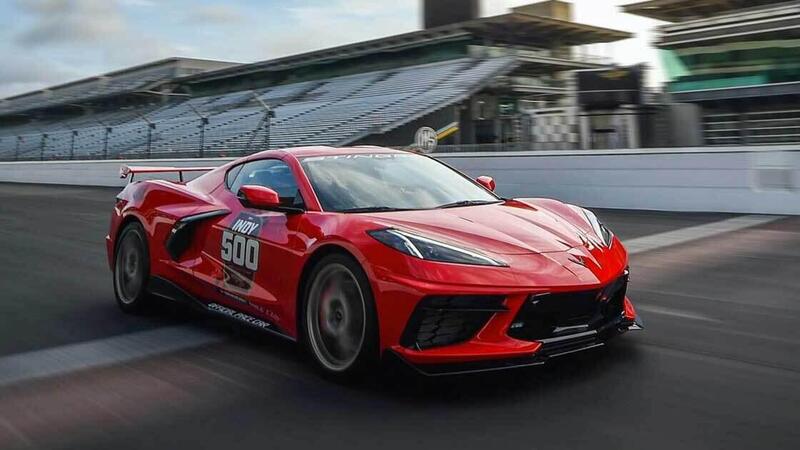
x: 245, y: 251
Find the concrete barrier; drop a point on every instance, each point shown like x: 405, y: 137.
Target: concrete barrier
x: 760, y: 180
x: 763, y: 180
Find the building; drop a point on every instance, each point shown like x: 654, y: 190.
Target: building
x: 739, y: 60
x: 500, y: 80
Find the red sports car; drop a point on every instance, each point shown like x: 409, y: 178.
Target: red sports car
x: 363, y: 253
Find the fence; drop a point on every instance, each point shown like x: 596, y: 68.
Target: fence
x: 752, y: 128
x: 179, y: 137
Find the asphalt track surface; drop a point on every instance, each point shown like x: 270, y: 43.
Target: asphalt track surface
x: 718, y: 365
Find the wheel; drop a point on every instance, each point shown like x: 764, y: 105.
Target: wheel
x: 340, y: 326
x: 132, y: 270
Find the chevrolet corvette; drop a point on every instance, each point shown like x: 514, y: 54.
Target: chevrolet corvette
x: 361, y: 254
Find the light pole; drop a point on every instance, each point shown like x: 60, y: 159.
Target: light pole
x: 106, y: 131
x: 42, y: 142
x: 105, y: 142
x: 203, y: 123
x: 150, y: 127
x: 267, y: 127
x: 43, y: 145
x: 269, y: 114
x: 72, y: 144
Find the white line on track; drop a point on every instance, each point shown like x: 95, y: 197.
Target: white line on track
x: 651, y: 309
x: 101, y: 352
x: 120, y: 349
x: 684, y: 235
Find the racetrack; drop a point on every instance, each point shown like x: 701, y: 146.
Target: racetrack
x: 718, y: 365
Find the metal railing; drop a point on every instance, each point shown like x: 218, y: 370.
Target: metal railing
x: 198, y: 134
x: 567, y: 55
x: 506, y: 147
x: 142, y: 138
x: 752, y: 128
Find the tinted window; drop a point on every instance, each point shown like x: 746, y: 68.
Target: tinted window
x: 395, y: 180
x: 230, y: 177
x: 271, y: 173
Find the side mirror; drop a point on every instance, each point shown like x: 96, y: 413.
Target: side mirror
x: 259, y: 197
x: 487, y: 182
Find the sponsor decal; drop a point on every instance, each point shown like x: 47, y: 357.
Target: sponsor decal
x: 243, y: 301
x: 246, y: 225
x: 233, y: 297
x: 426, y: 139
x: 615, y: 74
x: 240, y: 316
x: 359, y: 156
x: 239, y: 251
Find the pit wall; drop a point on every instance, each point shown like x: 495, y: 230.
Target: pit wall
x: 763, y: 180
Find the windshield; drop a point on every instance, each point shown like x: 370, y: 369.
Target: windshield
x: 389, y: 181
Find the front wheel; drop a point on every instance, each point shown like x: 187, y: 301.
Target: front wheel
x: 339, y: 319
x: 132, y: 269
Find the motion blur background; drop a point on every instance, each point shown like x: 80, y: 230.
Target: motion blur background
x: 712, y: 84
x: 677, y: 118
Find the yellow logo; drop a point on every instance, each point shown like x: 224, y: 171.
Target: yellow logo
x: 615, y: 74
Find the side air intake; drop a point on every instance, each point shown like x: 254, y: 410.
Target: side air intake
x: 445, y: 320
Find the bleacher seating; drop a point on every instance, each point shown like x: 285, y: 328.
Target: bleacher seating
x: 90, y: 88
x: 335, y: 111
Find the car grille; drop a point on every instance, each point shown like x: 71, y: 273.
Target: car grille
x: 445, y: 320
x: 560, y: 314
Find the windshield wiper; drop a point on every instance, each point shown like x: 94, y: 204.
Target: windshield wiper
x: 461, y: 203
x: 368, y: 209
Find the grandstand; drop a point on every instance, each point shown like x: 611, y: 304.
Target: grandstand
x: 737, y: 60
x: 481, y: 74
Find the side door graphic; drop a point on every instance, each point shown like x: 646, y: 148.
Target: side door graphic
x: 240, y: 251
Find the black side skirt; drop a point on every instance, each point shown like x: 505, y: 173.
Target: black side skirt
x: 166, y: 289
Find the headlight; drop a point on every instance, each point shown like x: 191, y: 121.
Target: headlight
x: 432, y: 250
x: 599, y: 229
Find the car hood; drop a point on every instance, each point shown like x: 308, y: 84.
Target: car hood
x: 508, y: 228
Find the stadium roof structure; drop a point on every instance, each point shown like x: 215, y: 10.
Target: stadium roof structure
x: 512, y: 28
x: 517, y: 28
x: 680, y: 10
x: 138, y: 78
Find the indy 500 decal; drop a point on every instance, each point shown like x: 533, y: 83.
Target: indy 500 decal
x: 240, y: 250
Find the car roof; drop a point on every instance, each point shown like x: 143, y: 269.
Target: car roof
x: 303, y: 152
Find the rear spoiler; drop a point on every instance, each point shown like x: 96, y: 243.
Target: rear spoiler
x: 131, y: 171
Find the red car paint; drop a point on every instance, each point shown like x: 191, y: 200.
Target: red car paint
x: 542, y: 241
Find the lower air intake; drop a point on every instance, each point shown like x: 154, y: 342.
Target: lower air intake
x: 445, y: 320
x: 561, y: 314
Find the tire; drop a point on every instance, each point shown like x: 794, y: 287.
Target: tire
x: 339, y: 323
x: 132, y: 270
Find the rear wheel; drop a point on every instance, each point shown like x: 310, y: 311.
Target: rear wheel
x: 339, y: 321
x: 132, y: 269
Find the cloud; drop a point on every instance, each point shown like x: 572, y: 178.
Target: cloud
x: 368, y: 8
x: 20, y: 73
x: 145, y: 3
x: 339, y: 22
x: 215, y: 15
x: 69, y: 21
x: 58, y: 41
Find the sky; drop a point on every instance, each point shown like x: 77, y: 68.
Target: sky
x: 47, y: 42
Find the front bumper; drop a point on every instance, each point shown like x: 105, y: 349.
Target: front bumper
x: 548, y: 306
x: 470, y: 357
